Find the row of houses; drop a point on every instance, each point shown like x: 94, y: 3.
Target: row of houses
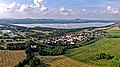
x: 9, y: 33
x: 72, y: 38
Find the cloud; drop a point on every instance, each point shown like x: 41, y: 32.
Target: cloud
x: 24, y: 7
x: 12, y: 5
x: 38, y: 8
x: 38, y: 3
x: 110, y: 9
x: 2, y: 8
x: 26, y: 10
x: 64, y: 11
x: 43, y: 8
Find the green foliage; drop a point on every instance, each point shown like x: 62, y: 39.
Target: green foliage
x: 53, y: 50
x: 104, y: 56
x: 35, y: 62
x: 16, y: 46
x: 30, y: 60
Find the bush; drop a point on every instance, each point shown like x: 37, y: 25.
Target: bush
x: 104, y: 56
x: 35, y: 62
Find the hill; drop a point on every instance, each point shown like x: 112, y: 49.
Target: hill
x: 42, y: 21
x: 109, y: 46
x: 87, y: 54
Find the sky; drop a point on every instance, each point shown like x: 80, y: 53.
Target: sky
x: 61, y: 9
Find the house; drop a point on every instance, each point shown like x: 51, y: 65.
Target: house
x: 33, y: 46
x: 6, y: 32
x: 1, y: 36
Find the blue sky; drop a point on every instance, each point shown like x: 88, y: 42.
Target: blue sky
x: 60, y: 9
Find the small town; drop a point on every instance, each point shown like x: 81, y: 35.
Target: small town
x: 74, y: 38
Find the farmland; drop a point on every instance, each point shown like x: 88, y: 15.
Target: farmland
x: 62, y: 61
x: 9, y: 58
x: 113, y: 33
x: 114, y: 28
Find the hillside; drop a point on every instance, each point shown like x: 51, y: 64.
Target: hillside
x: 87, y: 54
x: 108, y: 45
x: 62, y: 61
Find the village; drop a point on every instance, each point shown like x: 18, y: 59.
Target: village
x: 73, y: 38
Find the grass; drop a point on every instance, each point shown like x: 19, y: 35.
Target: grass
x: 1, y: 33
x: 115, y: 33
x: 78, y: 43
x: 87, y: 54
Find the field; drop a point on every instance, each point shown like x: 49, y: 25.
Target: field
x: 9, y: 58
x: 87, y: 54
x: 115, y: 28
x: 44, y: 32
x: 113, y: 33
x: 62, y: 61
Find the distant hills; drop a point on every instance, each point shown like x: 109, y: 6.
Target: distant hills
x: 42, y: 21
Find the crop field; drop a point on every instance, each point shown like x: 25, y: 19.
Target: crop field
x: 114, y: 28
x: 87, y: 54
x: 62, y: 61
x: 9, y: 58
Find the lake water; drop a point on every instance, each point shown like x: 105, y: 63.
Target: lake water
x: 66, y: 26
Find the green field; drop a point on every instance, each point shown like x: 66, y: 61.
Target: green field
x: 115, y: 33
x: 87, y: 54
x: 44, y: 32
x: 1, y: 33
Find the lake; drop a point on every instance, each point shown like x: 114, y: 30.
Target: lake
x: 66, y: 26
